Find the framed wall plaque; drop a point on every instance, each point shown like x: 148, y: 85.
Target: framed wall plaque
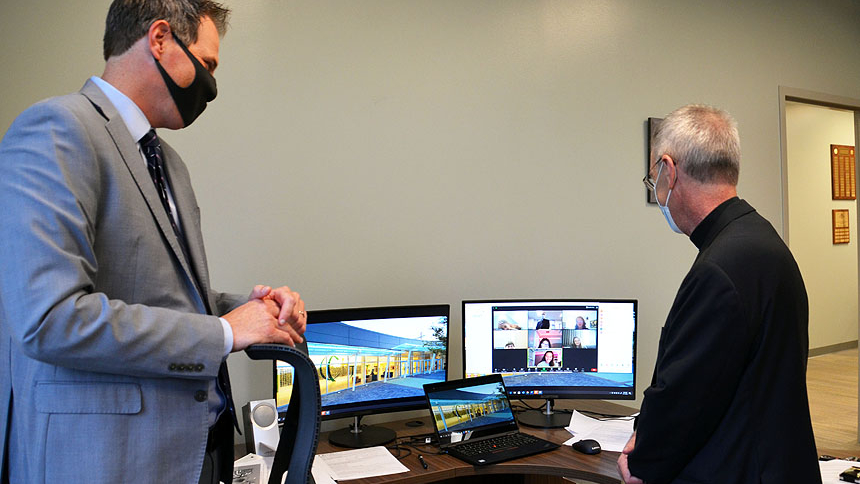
x: 841, y: 235
x: 842, y: 172
x: 652, y: 129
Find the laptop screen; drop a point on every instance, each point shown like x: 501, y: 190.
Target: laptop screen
x: 470, y: 409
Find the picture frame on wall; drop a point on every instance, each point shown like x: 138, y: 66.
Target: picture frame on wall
x: 653, y: 123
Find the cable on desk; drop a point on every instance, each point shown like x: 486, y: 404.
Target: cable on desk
x: 421, y: 440
x: 414, y: 442
x: 422, y: 437
x: 397, y: 450
x: 528, y: 407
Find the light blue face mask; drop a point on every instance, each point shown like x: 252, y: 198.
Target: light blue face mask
x: 665, y: 208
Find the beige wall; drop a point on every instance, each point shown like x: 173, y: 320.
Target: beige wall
x: 407, y: 152
x: 829, y: 271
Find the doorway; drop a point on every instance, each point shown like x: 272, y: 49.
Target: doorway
x: 829, y: 269
x: 809, y: 124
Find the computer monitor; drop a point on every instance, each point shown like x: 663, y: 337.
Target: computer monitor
x: 371, y: 361
x: 553, y: 349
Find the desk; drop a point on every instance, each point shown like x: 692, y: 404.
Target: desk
x: 546, y: 468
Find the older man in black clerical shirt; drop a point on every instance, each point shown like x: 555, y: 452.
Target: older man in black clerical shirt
x: 727, y: 401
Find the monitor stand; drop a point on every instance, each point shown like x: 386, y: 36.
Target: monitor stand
x: 358, y: 436
x: 546, y: 418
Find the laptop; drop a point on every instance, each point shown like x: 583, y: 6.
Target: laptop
x: 474, y: 421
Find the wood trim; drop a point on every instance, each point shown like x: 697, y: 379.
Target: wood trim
x: 848, y: 345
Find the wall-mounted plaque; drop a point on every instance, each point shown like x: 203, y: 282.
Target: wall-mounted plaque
x: 841, y: 234
x: 842, y: 172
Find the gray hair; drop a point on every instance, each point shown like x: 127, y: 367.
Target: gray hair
x: 703, y: 141
x: 129, y: 20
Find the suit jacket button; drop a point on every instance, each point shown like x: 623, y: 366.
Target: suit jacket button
x: 180, y: 367
x: 198, y: 368
x: 172, y: 367
x: 200, y: 396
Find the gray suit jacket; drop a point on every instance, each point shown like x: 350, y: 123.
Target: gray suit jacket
x: 105, y: 344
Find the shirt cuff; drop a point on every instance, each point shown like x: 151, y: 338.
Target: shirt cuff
x: 228, y: 336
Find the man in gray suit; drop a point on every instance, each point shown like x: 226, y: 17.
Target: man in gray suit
x: 112, y: 350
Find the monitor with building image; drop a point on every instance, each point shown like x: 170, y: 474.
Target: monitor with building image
x: 370, y: 361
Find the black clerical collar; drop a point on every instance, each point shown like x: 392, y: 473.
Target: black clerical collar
x: 719, y: 217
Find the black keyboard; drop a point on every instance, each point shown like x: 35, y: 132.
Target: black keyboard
x: 495, y: 444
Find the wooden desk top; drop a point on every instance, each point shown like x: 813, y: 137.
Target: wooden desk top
x: 562, y: 462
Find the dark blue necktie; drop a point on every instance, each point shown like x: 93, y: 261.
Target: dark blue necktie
x: 155, y: 163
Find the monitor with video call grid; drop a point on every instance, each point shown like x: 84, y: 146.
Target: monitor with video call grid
x: 554, y: 348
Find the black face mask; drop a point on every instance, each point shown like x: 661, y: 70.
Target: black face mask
x: 191, y: 100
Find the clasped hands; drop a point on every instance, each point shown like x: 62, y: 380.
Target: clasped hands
x: 269, y: 316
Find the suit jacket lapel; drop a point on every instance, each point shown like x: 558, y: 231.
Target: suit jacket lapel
x: 128, y: 151
x: 189, y: 217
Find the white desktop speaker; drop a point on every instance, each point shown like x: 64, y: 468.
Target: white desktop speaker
x: 261, y: 428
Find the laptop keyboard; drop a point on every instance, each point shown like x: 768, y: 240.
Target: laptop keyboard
x: 495, y: 444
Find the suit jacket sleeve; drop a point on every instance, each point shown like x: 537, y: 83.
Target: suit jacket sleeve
x: 703, y: 351
x: 226, y: 302
x: 55, y: 186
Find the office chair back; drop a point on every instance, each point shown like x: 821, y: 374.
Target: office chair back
x: 300, y: 433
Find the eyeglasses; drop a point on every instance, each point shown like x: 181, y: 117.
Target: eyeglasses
x: 649, y: 182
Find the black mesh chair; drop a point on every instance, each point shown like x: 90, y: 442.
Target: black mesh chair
x: 300, y: 433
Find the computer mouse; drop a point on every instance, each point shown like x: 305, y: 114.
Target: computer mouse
x: 587, y: 446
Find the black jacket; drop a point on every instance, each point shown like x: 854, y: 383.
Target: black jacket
x: 728, y: 402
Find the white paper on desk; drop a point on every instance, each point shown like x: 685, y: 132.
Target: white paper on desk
x: 319, y: 470
x: 361, y: 463
x: 611, y: 434
x: 831, y: 469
